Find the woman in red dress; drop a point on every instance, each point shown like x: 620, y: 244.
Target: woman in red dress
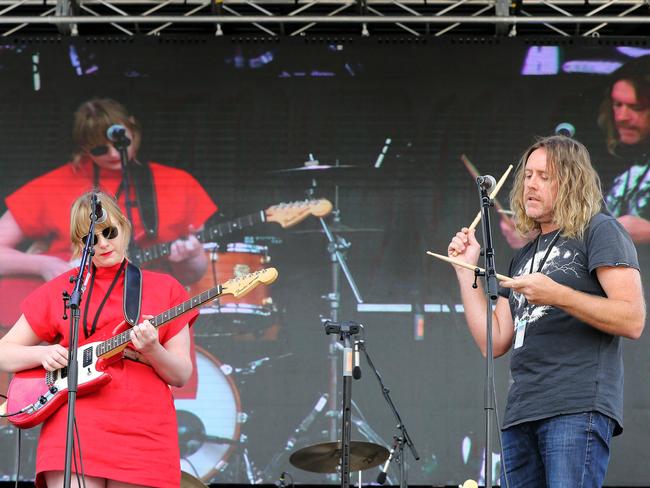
x: 127, y: 429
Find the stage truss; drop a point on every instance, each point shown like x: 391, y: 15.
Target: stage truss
x: 274, y: 18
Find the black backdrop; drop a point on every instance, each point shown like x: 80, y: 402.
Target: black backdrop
x: 231, y: 113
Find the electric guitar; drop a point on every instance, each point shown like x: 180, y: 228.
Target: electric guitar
x: 285, y: 214
x: 14, y: 288
x: 34, y: 394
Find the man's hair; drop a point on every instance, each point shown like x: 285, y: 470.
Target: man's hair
x: 637, y: 73
x: 579, y: 195
x: 93, y: 118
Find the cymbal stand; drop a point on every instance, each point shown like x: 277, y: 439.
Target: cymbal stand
x: 336, y: 246
x: 403, y: 436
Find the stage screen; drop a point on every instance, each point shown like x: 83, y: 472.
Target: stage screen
x: 393, y: 125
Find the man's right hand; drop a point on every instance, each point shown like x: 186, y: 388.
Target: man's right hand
x: 52, y: 266
x: 465, y: 247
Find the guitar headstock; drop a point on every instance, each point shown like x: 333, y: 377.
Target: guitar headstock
x: 292, y: 213
x: 241, y: 285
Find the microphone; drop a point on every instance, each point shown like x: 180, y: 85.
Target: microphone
x: 307, y: 421
x: 116, y: 132
x: 356, y: 371
x: 486, y: 182
x: 100, y: 212
x: 381, y: 477
x: 565, y: 129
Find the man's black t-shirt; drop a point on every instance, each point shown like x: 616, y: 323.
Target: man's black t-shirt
x: 559, y: 364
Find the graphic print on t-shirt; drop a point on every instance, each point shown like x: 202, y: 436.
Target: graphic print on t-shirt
x: 561, y: 259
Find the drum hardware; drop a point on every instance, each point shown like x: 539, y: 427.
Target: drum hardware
x: 189, y: 481
x: 192, y: 436
x: 326, y: 457
x: 23, y: 463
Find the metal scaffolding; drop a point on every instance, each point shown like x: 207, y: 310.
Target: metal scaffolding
x: 412, y: 18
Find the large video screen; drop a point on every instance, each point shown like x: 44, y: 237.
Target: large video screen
x: 339, y: 163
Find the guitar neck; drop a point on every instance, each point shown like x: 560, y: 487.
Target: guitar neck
x: 124, y: 338
x: 210, y: 234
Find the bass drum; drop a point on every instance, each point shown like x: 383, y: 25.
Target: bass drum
x: 209, y: 425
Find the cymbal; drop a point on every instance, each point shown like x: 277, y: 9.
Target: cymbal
x: 337, y: 229
x: 326, y: 457
x: 313, y: 169
x: 189, y: 481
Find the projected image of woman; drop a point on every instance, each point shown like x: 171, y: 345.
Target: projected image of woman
x: 167, y: 203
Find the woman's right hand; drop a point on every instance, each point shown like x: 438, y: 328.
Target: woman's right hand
x: 54, y: 357
x: 52, y: 267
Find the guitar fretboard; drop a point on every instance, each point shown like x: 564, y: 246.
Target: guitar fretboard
x: 161, y: 319
x: 211, y: 234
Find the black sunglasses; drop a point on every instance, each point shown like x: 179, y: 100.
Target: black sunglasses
x: 108, y: 233
x: 99, y: 150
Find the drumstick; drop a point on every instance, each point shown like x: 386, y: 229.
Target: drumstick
x: 465, y: 265
x: 500, y: 183
x: 475, y: 174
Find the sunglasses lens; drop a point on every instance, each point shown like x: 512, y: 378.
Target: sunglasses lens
x: 99, y: 150
x: 84, y: 239
x: 110, y: 232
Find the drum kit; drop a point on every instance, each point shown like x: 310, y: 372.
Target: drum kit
x: 213, y: 445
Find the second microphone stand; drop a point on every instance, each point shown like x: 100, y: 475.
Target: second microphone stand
x: 403, y: 437
x: 345, y: 330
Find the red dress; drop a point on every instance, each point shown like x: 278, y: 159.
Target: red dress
x: 41, y: 209
x: 127, y: 428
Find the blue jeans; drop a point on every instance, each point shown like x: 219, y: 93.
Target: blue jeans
x: 566, y: 451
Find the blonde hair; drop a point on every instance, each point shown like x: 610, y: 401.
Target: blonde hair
x: 579, y: 195
x: 80, y: 219
x: 93, y: 118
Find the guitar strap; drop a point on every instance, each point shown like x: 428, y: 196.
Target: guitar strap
x: 145, y: 193
x: 132, y: 294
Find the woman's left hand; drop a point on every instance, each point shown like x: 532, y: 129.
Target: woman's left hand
x: 144, y: 336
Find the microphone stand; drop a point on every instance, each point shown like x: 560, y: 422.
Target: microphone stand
x: 403, y: 437
x: 345, y: 330
x: 122, y: 143
x: 491, y: 294
x: 73, y: 302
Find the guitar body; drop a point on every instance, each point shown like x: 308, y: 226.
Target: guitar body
x: 39, y: 393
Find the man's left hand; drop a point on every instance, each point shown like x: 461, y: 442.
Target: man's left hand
x: 538, y: 288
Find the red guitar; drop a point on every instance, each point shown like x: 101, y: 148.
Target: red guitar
x: 16, y: 287
x: 35, y: 394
